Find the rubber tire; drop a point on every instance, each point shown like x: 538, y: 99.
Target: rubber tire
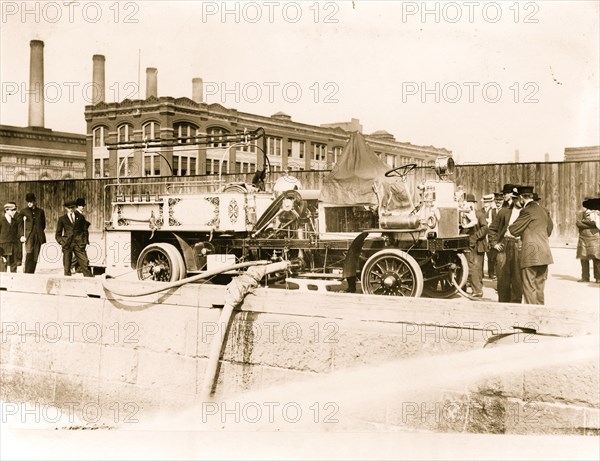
x: 462, y: 282
x: 173, y: 256
x: 412, y: 264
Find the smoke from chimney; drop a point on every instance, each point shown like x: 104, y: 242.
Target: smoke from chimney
x: 98, y: 79
x: 36, y: 84
x: 151, y: 82
x: 197, y: 90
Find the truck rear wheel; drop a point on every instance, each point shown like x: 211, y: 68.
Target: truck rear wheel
x: 161, y: 262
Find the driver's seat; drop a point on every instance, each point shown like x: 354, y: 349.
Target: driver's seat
x: 394, y: 202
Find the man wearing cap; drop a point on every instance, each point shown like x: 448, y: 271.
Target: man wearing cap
x: 508, y: 246
x: 478, y: 245
x: 588, y: 245
x: 9, y: 240
x: 69, y: 234
x: 32, y: 224
x: 534, y: 227
x: 490, y: 210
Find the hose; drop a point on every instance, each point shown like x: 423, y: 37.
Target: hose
x: 460, y: 291
x: 178, y: 283
x: 235, y: 293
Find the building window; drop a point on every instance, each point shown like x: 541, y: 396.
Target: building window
x: 297, y: 149
x: 319, y: 152
x: 21, y: 161
x: 66, y: 163
x: 249, y: 147
x: 216, y: 137
x: 99, y: 136
x: 390, y: 159
x: 46, y: 162
x: 184, y: 164
x: 100, y: 168
x: 151, y: 164
x: 125, y: 133
x: 274, y: 146
x: 151, y: 130
x: 337, y: 154
x: 184, y: 132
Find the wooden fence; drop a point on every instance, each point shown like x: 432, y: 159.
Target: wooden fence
x: 561, y: 185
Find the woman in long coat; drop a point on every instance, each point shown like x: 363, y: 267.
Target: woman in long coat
x: 588, y: 246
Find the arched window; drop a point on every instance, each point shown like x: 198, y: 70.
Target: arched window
x: 99, y: 136
x: 216, y: 137
x: 184, y: 132
x: 151, y: 130
x: 125, y: 133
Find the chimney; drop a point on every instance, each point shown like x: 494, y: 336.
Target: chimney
x: 516, y: 155
x: 197, y: 90
x: 98, y: 80
x: 151, y: 82
x: 546, y: 157
x: 36, y: 84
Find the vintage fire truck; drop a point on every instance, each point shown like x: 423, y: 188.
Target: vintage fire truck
x: 362, y: 225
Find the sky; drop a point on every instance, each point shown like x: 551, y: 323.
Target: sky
x: 482, y: 79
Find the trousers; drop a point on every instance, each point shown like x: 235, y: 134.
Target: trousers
x: 534, y: 280
x: 508, y: 271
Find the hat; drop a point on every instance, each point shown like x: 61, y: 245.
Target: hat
x: 470, y: 198
x: 70, y: 203
x: 80, y: 202
x: 498, y: 195
x: 508, y: 188
x: 536, y: 197
x: 524, y: 190
x: 30, y: 197
x: 591, y: 203
x: 488, y: 198
x: 10, y: 206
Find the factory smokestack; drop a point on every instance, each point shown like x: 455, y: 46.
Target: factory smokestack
x: 151, y: 82
x: 197, y: 90
x: 98, y: 79
x: 36, y: 84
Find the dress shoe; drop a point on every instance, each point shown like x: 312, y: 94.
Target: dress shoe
x: 583, y: 280
x: 477, y: 295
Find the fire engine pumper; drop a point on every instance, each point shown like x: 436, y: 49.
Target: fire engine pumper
x: 393, y: 242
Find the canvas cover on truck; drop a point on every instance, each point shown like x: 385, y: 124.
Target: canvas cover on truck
x: 351, y: 180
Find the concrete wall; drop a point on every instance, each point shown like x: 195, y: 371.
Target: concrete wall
x: 68, y: 343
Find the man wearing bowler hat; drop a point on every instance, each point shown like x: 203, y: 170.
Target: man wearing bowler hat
x: 534, y: 227
x: 84, y: 224
x: 70, y: 235
x: 32, y: 224
x: 508, y: 246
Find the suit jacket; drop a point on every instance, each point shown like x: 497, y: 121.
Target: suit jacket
x: 588, y: 245
x: 499, y: 225
x: 478, y: 233
x: 534, y: 226
x: 8, y: 235
x: 69, y: 234
x: 35, y: 225
x: 84, y: 225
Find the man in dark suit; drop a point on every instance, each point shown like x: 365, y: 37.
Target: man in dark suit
x: 478, y: 245
x: 70, y: 236
x: 85, y: 224
x: 32, y: 224
x: 508, y: 246
x: 9, y: 241
x: 490, y: 210
x: 534, y: 226
x: 507, y: 192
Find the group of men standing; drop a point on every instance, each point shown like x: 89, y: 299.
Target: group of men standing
x: 513, y: 229
x: 23, y: 232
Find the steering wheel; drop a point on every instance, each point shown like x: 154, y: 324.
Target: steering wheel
x: 401, y: 171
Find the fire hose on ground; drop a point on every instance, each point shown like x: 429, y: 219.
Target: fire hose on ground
x: 235, y: 293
